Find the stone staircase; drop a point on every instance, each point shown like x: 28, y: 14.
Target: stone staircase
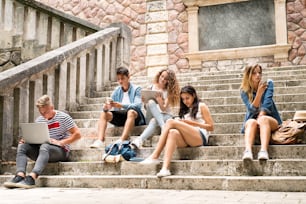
x: 30, y: 29
x: 214, y: 167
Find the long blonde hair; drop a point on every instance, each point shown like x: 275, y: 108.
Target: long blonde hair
x: 247, y: 84
x: 172, y: 86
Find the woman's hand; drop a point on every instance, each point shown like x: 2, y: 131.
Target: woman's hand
x: 263, y: 85
x: 159, y: 98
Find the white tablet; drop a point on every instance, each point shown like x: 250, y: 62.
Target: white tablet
x: 147, y: 94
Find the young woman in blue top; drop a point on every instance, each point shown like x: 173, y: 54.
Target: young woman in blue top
x: 262, y: 116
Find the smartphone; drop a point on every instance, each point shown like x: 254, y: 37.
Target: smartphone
x: 264, y: 81
x: 109, y: 100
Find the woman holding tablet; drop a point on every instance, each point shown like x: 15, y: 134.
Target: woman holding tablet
x: 158, y: 109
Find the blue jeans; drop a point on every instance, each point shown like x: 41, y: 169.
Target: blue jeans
x: 155, y: 118
x: 42, y: 154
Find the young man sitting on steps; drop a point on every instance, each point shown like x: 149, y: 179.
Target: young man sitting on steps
x: 123, y: 109
x: 62, y: 132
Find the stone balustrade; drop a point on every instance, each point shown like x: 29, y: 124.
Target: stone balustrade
x: 29, y: 29
x: 68, y: 74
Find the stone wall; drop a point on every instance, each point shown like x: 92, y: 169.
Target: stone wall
x: 136, y: 14
x: 296, y: 17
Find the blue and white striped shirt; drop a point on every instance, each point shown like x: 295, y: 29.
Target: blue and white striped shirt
x: 59, y: 126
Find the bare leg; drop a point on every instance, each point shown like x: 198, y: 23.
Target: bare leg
x: 251, y: 127
x: 129, y: 124
x: 266, y: 124
x: 190, y: 135
x: 174, y: 140
x: 102, y: 124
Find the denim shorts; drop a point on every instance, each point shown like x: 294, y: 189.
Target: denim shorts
x: 203, y: 132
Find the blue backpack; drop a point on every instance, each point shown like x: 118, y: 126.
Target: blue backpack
x: 123, y: 148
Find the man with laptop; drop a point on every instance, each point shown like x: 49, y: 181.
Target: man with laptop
x: 62, y: 131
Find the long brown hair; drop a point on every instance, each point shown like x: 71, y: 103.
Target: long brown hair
x: 172, y: 86
x: 247, y: 84
x: 195, y: 106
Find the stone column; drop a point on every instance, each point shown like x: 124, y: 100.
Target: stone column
x: 157, y: 37
x: 1, y: 13
x: 51, y: 83
x: 90, y: 73
x: 113, y: 60
x: 106, y: 70
x: 281, y: 30
x: 30, y: 25
x: 24, y: 103
x: 42, y: 33
x: 68, y: 33
x: 62, y: 95
x: 72, y: 85
x: 7, y: 125
x: 82, y: 79
x: 193, y: 36
x: 8, y: 15
x: 55, y: 33
x: 38, y: 92
x: 100, y: 60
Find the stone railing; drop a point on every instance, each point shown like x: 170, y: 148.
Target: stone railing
x: 68, y: 74
x: 29, y: 29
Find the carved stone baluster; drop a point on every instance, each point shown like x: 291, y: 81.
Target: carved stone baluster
x: 62, y: 95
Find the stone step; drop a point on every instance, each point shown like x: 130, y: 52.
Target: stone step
x: 288, y: 97
x: 217, y: 117
x: 203, y: 93
x: 220, y: 114
x: 234, y: 84
x: 226, y: 83
x: 297, y: 151
x: 219, y: 128
x: 229, y: 183
x: 89, y: 135
x: 278, y: 98
x: 289, y: 167
x: 228, y: 90
x: 218, y: 108
x: 270, y: 72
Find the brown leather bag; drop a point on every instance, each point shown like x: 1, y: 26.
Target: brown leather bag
x: 289, y: 132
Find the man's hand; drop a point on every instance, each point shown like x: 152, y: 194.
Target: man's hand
x: 116, y: 104
x: 56, y: 142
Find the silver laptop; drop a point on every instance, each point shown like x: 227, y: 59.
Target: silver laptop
x: 35, y: 133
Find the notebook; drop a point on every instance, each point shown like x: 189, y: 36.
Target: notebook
x: 35, y: 133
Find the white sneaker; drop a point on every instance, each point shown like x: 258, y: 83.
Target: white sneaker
x: 137, y: 142
x: 263, y: 155
x: 248, y: 155
x: 97, y: 144
x: 163, y: 173
x: 149, y: 161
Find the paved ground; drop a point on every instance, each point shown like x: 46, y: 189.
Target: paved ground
x: 143, y: 196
